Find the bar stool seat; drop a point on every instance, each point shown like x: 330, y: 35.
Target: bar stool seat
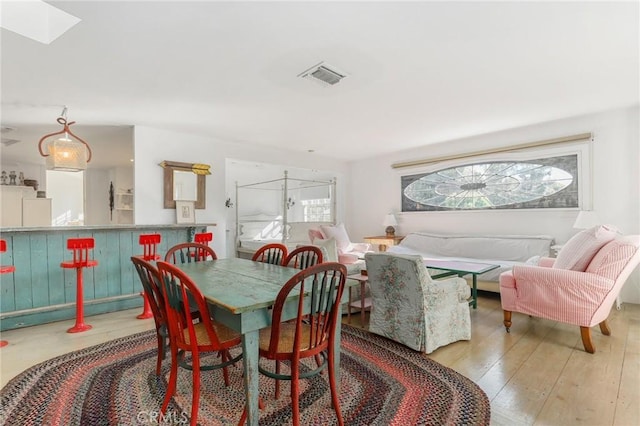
x: 81, y: 260
x: 5, y: 269
x: 149, y: 243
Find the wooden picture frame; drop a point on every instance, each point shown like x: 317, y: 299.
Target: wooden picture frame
x: 185, y: 212
x: 201, y: 170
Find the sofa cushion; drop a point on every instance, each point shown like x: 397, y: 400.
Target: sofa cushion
x: 340, y: 234
x: 577, y: 253
x: 329, y: 249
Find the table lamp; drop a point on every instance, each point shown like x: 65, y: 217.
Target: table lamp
x: 586, y: 219
x: 390, y: 222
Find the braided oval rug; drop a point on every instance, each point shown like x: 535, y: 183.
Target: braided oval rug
x: 114, y: 383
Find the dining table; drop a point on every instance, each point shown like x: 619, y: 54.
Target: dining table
x: 240, y: 293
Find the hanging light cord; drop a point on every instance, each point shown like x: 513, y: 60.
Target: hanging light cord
x: 63, y: 120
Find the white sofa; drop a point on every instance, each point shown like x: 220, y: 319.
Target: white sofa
x: 503, y: 250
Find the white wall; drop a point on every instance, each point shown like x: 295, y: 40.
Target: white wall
x: 152, y: 146
x: 375, y: 187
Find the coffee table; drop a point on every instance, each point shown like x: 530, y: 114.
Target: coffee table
x: 460, y: 268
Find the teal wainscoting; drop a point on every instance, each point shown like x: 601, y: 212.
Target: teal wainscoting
x: 40, y: 291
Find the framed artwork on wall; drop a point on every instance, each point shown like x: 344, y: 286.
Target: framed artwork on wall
x: 185, y: 212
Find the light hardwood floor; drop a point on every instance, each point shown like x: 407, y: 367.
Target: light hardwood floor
x: 538, y: 374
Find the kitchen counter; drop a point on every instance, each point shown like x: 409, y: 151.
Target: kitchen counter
x: 40, y: 291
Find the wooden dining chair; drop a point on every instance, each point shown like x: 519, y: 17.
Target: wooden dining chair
x: 189, y: 252
x: 203, y: 238
x: 186, y: 336
x: 310, y: 334
x: 150, y: 279
x: 303, y: 257
x: 273, y: 254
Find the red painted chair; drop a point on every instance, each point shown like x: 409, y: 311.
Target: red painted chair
x: 182, y: 295
x: 80, y: 248
x: 309, y: 334
x: 5, y: 270
x: 149, y: 243
x: 273, y: 254
x: 303, y: 257
x: 203, y: 238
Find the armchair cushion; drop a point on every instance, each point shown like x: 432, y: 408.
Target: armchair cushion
x: 329, y: 249
x: 577, y: 253
x: 612, y: 258
x: 340, y: 234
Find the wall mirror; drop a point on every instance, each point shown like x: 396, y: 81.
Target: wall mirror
x: 184, y: 181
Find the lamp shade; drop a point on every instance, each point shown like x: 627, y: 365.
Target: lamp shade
x: 389, y: 220
x: 66, y: 155
x: 586, y: 219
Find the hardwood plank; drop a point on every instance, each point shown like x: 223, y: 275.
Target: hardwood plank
x: 524, y: 395
x: 627, y: 410
x: 593, y: 377
x: 39, y: 276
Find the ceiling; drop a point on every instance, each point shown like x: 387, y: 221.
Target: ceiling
x: 419, y: 73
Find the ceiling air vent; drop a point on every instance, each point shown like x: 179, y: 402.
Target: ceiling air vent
x: 324, y: 74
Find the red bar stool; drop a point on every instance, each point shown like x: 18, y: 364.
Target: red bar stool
x: 203, y: 238
x: 5, y: 270
x: 80, y: 248
x: 149, y: 243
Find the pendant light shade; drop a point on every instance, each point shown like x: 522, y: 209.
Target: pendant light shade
x: 66, y: 153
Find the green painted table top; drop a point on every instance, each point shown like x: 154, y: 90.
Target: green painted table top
x: 239, y: 285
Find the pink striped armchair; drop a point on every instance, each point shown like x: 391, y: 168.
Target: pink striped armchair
x: 579, y: 287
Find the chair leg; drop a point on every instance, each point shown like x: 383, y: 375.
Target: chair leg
x: 295, y: 398
x: 332, y: 385
x: 604, y: 328
x: 160, y: 353
x: 224, y: 356
x: 585, y: 332
x: 195, y: 400
x: 507, y: 320
x: 277, y: 386
x: 173, y: 378
x: 80, y: 325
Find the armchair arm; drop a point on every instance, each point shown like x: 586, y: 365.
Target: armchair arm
x: 546, y: 262
x: 347, y: 259
x: 455, y: 285
x: 559, y: 278
x: 361, y: 247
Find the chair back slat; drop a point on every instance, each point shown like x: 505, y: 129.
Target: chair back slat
x: 303, y: 257
x: 81, y: 249
x: 273, y: 254
x: 320, y: 289
x: 149, y: 243
x: 150, y: 279
x: 189, y: 252
x: 203, y: 237
x: 181, y: 297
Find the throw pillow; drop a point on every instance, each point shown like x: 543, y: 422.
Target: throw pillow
x: 577, y: 253
x: 329, y: 249
x: 315, y: 234
x: 340, y: 234
x: 612, y: 258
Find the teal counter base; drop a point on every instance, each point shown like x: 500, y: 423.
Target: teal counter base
x: 94, y: 307
x: 40, y: 291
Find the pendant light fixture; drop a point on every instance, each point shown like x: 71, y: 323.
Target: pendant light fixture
x: 65, y: 153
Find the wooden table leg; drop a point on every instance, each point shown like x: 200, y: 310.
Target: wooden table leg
x: 251, y: 375
x: 349, y: 308
x: 362, y: 291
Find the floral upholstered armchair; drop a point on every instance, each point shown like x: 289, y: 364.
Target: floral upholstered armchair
x: 411, y: 308
x: 579, y: 287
